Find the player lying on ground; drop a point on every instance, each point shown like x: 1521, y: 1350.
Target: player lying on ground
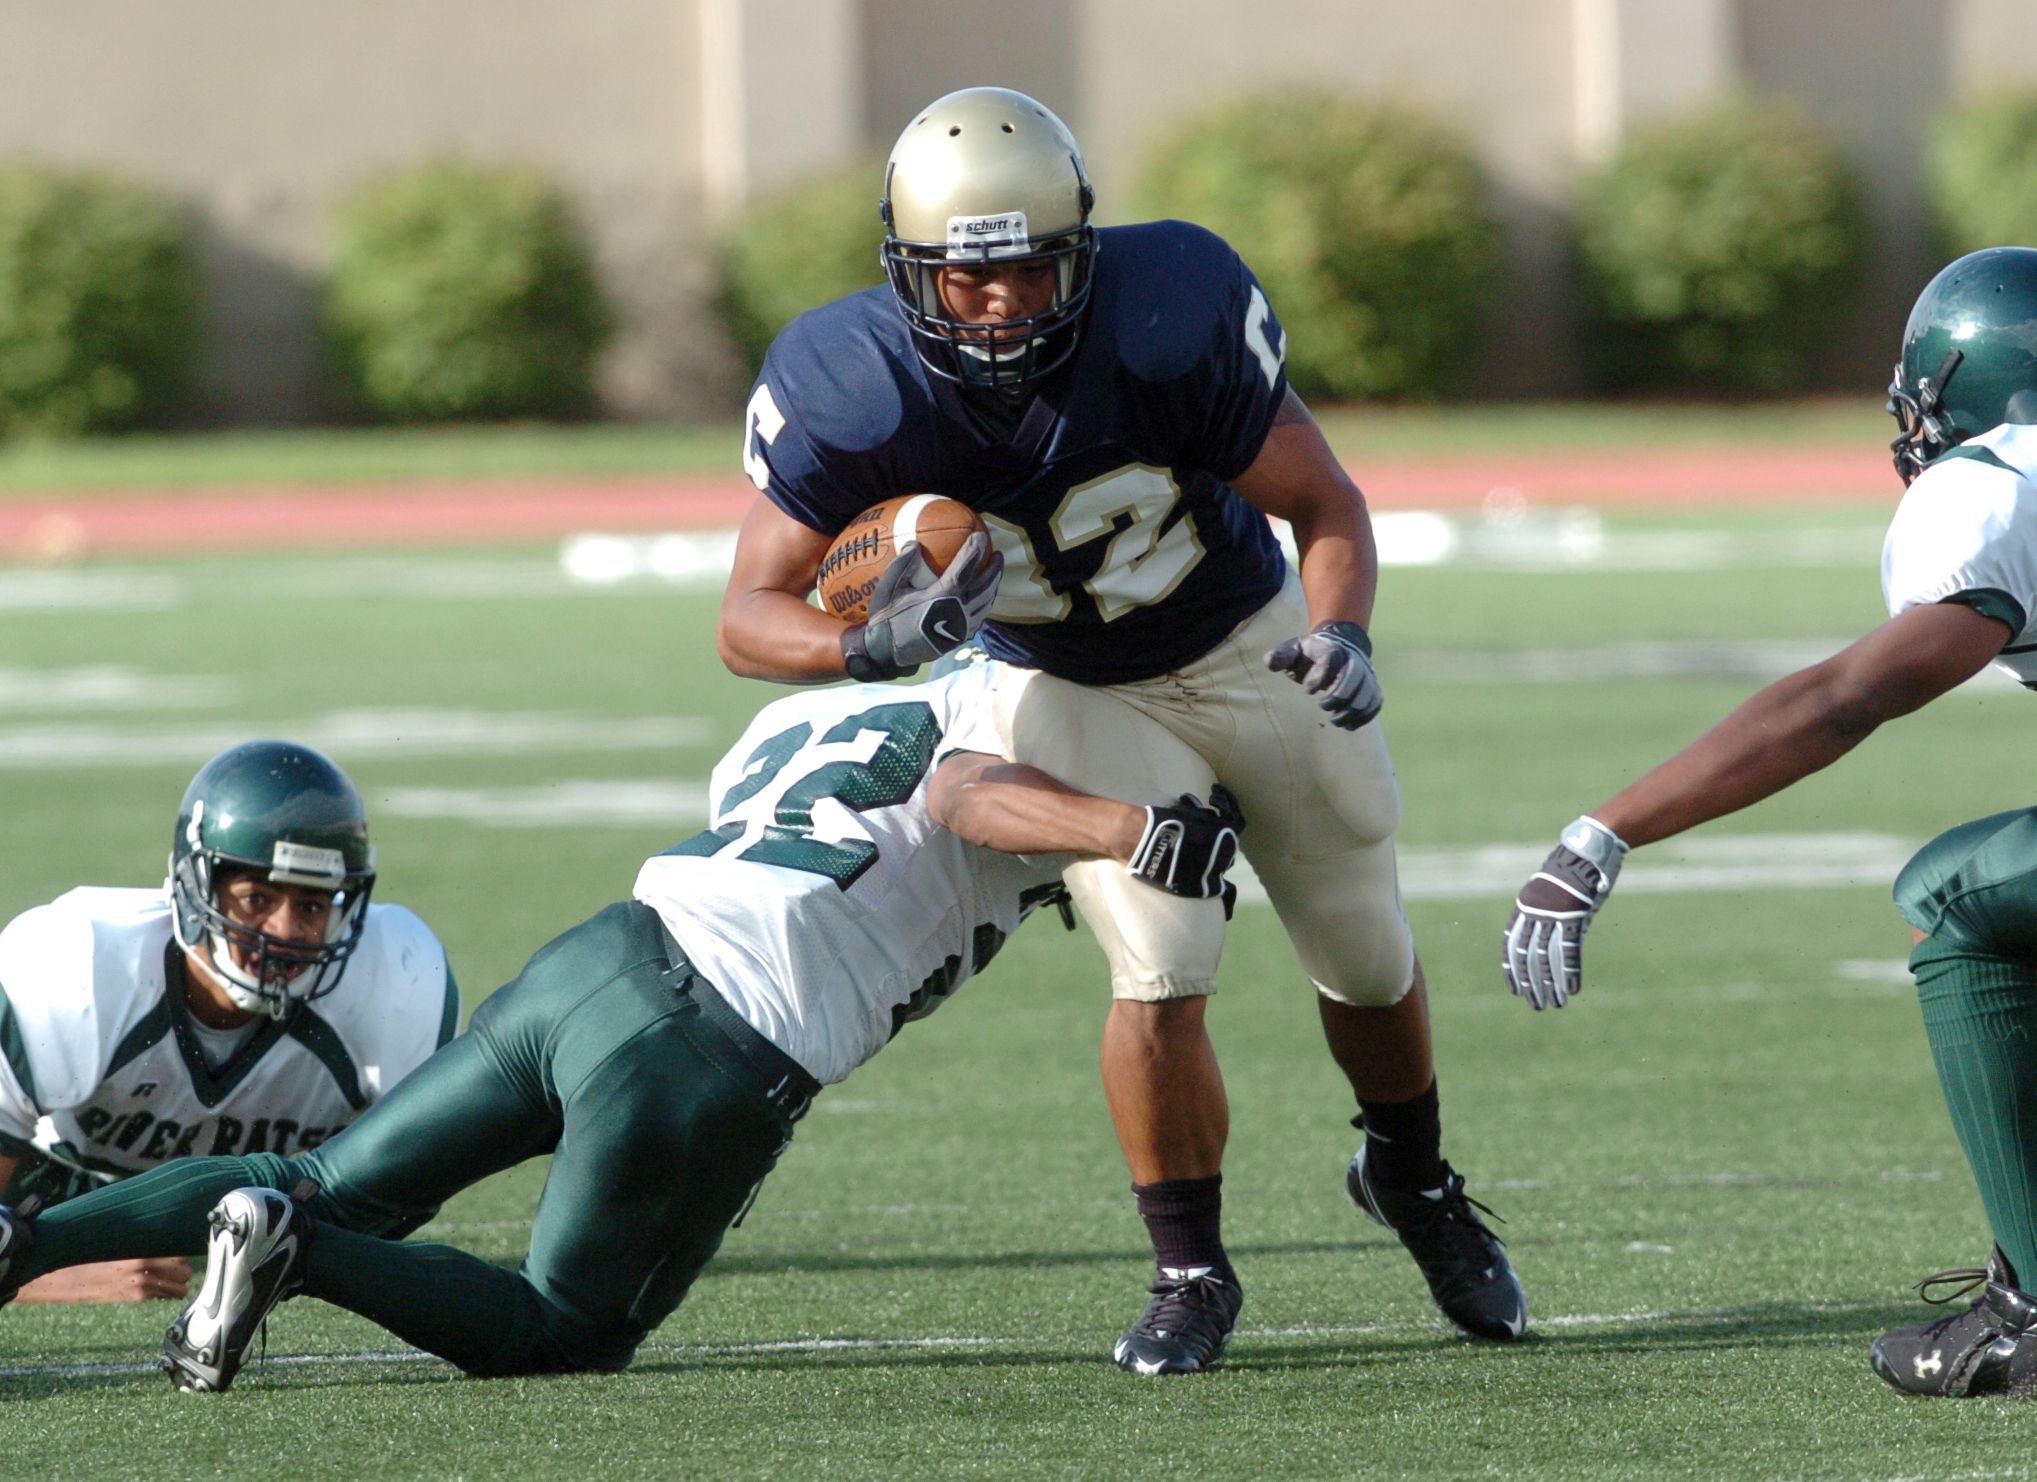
x: 1959, y: 572
x: 255, y: 1003
x: 1115, y: 404
x: 864, y: 857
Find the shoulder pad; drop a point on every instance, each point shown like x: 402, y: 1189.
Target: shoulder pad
x: 1165, y: 289
x: 76, y: 973
x: 838, y: 371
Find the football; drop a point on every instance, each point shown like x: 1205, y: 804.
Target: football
x: 868, y: 542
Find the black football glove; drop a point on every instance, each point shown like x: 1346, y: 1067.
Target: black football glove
x: 916, y: 616
x: 1187, y: 846
x: 1334, y: 661
x: 1543, y: 955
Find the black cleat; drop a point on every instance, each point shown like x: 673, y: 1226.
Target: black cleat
x: 1989, y: 1349
x: 254, y: 1259
x: 1185, y: 1326
x: 1464, y: 1263
x: 17, y: 1234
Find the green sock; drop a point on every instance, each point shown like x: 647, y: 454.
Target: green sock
x: 158, y: 1213
x: 434, y: 1297
x: 1980, y: 1016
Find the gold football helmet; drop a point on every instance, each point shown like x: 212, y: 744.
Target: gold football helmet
x: 987, y: 176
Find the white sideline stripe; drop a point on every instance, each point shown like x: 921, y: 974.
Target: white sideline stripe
x: 353, y: 734
x: 1726, y: 862
x: 573, y: 801
x: 920, y: 1343
x: 109, y: 687
x: 106, y: 589
x: 1754, y: 660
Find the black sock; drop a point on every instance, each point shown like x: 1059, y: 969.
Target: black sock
x: 1184, y: 1219
x: 1404, y: 1140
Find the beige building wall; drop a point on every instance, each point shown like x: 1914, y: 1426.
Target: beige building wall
x: 258, y: 112
x: 662, y: 115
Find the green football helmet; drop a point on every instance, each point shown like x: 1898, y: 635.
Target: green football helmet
x: 289, y: 815
x: 1969, y: 356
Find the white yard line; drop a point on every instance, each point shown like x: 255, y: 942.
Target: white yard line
x: 352, y: 734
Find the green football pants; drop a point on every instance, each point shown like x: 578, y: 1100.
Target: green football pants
x: 661, y: 1111
x: 1973, y: 893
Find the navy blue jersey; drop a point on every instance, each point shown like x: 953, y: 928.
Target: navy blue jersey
x: 1126, y: 552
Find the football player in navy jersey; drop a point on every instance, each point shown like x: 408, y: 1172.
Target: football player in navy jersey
x: 1114, y: 403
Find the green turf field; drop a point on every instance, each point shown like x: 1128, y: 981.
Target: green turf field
x: 1719, y: 1169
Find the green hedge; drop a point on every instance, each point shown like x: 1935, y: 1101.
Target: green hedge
x: 1980, y: 173
x: 460, y: 290
x: 797, y: 248
x: 1367, y: 222
x: 1717, y: 251
x: 98, y: 303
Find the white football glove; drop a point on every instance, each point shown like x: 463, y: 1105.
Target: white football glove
x: 1543, y: 951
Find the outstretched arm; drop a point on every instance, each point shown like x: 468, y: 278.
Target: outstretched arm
x: 1183, y: 848
x: 1800, y: 724
x: 1807, y: 720
x: 1017, y: 809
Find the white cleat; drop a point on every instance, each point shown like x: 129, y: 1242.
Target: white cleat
x: 254, y: 1259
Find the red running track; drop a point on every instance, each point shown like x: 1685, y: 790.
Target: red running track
x: 527, y: 511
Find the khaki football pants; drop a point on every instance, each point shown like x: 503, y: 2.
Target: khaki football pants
x: 1321, y: 805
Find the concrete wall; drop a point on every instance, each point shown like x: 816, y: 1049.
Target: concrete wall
x: 259, y: 112
x: 662, y: 115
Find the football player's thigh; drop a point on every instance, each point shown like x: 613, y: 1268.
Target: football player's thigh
x: 1158, y: 945
x: 1976, y: 885
x: 449, y: 1123
x: 663, y: 1144
x: 1321, y: 805
x: 485, y: 1102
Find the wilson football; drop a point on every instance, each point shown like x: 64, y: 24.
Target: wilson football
x: 867, y: 543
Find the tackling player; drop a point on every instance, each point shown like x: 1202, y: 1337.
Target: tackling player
x: 1114, y: 403
x: 865, y: 854
x: 256, y: 1003
x: 1959, y: 574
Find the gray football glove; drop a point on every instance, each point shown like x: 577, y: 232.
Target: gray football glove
x: 1543, y: 954
x: 1187, y: 846
x: 916, y: 616
x: 1333, y: 661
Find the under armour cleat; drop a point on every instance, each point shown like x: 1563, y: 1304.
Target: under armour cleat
x: 1192, y: 1314
x: 17, y: 1234
x: 254, y: 1259
x: 1988, y: 1349
x: 1464, y: 1263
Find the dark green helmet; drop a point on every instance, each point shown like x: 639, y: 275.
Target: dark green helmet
x: 1969, y: 355
x: 287, y: 814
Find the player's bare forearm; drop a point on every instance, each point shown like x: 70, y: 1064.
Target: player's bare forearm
x: 149, y: 1279
x: 1017, y: 809
x: 1806, y: 721
x: 1775, y: 739
x: 774, y: 635
x: 1339, y: 567
x: 1298, y: 479
x: 767, y: 629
